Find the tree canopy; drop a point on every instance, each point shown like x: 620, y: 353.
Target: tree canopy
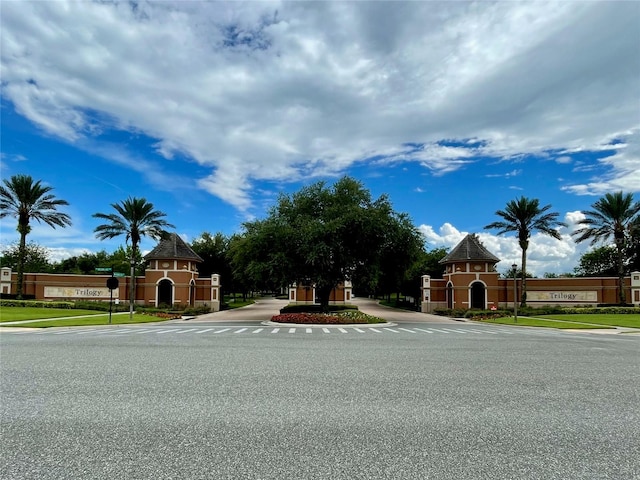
x: 27, y: 200
x: 134, y: 218
x: 614, y: 216
x: 325, y: 234
x: 525, y: 216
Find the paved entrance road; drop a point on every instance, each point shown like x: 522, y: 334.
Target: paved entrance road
x: 400, y: 404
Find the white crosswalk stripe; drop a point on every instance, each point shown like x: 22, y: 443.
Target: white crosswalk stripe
x: 475, y: 331
x: 406, y: 330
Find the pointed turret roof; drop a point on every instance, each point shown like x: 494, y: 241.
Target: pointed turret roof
x: 172, y: 247
x: 470, y: 248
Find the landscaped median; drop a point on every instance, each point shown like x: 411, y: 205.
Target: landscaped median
x: 346, y: 317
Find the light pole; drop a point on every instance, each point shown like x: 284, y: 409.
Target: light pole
x: 515, y: 293
x: 132, y: 287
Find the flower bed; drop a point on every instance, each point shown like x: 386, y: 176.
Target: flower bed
x: 340, y: 318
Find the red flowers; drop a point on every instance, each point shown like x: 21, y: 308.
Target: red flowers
x: 325, y: 318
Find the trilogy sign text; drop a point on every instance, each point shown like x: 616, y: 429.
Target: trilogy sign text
x: 584, y: 296
x: 79, y: 292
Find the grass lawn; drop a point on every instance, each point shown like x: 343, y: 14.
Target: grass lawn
x: 79, y: 317
x: 238, y: 304
x: 101, y: 319
x: 620, y: 320
x: 539, y: 322
x: 10, y: 314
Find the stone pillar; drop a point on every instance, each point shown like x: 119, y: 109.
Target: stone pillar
x: 215, y: 293
x: 5, y: 280
x: 426, y: 294
x: 348, y: 291
x: 293, y: 289
x: 635, y: 289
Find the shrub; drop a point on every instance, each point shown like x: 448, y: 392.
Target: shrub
x: 603, y: 310
x: 450, y: 312
x: 35, y: 304
x: 101, y: 306
x: 486, y: 314
x: 200, y: 310
x: 345, y: 317
x: 14, y: 296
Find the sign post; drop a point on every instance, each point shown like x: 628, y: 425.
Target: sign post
x: 112, y: 284
x: 515, y: 293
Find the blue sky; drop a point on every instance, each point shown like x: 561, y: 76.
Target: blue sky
x: 209, y: 110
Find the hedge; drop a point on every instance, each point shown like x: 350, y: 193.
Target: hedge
x: 36, y: 304
x: 532, y: 312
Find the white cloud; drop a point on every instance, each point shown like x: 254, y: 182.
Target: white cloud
x: 623, y: 167
x: 283, y: 91
x: 545, y: 254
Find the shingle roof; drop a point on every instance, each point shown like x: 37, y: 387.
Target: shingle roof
x: 172, y: 247
x: 470, y: 248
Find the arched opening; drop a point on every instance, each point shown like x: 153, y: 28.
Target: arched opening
x: 449, y: 295
x: 192, y: 293
x: 165, y: 292
x: 478, y: 299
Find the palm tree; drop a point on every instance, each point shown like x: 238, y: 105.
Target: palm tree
x: 135, y: 218
x: 25, y: 199
x: 524, y: 216
x: 614, y: 215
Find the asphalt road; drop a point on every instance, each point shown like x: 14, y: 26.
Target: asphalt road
x: 237, y: 400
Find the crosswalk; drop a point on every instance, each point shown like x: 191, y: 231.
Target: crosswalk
x: 165, y: 331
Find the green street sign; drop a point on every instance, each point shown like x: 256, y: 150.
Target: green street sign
x: 118, y: 274
x: 103, y: 269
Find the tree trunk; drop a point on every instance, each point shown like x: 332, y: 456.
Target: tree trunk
x: 22, y: 253
x: 324, y: 292
x: 523, y: 299
x: 132, y: 282
x: 620, y: 261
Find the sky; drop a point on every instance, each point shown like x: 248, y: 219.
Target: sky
x: 210, y: 110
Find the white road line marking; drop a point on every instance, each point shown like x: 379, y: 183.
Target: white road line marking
x: 440, y: 331
x: 422, y: 330
x: 205, y: 330
x: 275, y: 330
x: 86, y: 331
x: 142, y: 331
x: 375, y: 330
x: 241, y: 330
x: 223, y: 330
x: 452, y: 331
x: 167, y: 331
x: 406, y: 330
x: 309, y: 330
x: 342, y: 330
x: 390, y: 330
x: 484, y: 330
x: 358, y: 330
x: 187, y: 330
x: 292, y: 330
x: 326, y: 330
x: 257, y: 330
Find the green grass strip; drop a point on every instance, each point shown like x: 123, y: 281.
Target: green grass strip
x: 99, y: 319
x: 11, y: 314
x: 538, y: 322
x: 619, y: 320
